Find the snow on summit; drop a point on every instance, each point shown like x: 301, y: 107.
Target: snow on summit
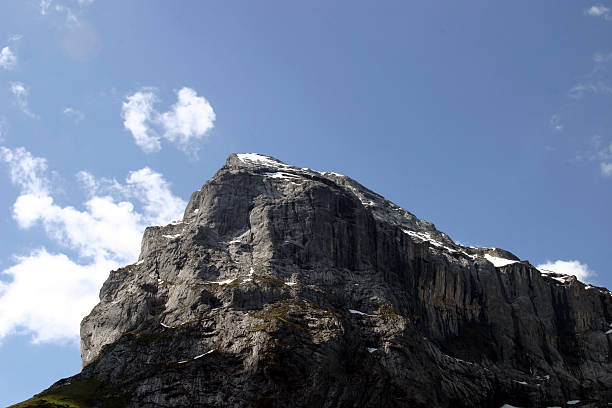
x: 499, y: 262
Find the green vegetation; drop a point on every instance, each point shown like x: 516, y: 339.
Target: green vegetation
x: 387, y: 310
x: 80, y: 393
x: 282, y: 310
x: 269, y: 279
x: 261, y: 327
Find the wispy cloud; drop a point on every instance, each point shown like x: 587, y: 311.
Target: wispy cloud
x: 71, y: 19
x: 105, y: 234
x: 73, y: 114
x: 25, y: 170
x: 583, y: 88
x: 598, y: 10
x: 44, y: 6
x: 21, y: 93
x: 188, y: 121
x: 575, y: 268
x: 599, y: 150
x: 8, y: 59
x: 61, y: 8
x: 2, y: 129
x: 555, y: 123
x: 599, y: 57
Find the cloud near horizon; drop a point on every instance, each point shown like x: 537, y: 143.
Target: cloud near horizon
x: 576, y: 268
x: 46, y: 294
x: 188, y: 121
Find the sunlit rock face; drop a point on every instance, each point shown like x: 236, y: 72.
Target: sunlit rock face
x: 283, y: 286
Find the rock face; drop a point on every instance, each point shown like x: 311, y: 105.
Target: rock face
x: 287, y: 287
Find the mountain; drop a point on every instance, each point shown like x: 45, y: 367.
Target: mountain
x: 287, y: 287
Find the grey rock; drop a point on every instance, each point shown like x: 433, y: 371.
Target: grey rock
x: 285, y: 286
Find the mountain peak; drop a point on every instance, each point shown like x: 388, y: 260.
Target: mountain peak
x: 284, y: 286
x: 256, y: 159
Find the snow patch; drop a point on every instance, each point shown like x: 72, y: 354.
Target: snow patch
x: 371, y: 349
x: 259, y: 159
x: 281, y: 175
x: 609, y: 331
x: 562, y: 278
x: 171, y: 236
x: 165, y: 325
x: 202, y: 355
x: 572, y: 402
x: 325, y: 173
x: 357, y: 312
x: 197, y: 210
x: 423, y: 236
x: 139, y: 262
x: 224, y: 282
x: 520, y: 382
x: 290, y: 283
x: 499, y: 262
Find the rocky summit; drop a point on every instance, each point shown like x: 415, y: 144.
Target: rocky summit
x: 288, y: 287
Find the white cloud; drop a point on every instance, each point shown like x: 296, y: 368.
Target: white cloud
x: 153, y: 191
x: 606, y: 169
x: 21, y: 93
x: 598, y: 11
x: 190, y: 118
x: 106, y: 233
x: 137, y: 113
x: 188, y: 121
x: 44, y: 6
x: 74, y: 114
x: 576, y: 268
x: 26, y: 171
x: 48, y: 295
x: 105, y: 228
x: 8, y: 59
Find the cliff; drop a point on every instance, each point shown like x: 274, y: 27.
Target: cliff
x: 284, y: 286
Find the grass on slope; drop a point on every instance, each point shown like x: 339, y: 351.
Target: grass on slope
x: 80, y: 393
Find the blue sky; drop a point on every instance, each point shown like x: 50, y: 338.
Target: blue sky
x: 491, y: 120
